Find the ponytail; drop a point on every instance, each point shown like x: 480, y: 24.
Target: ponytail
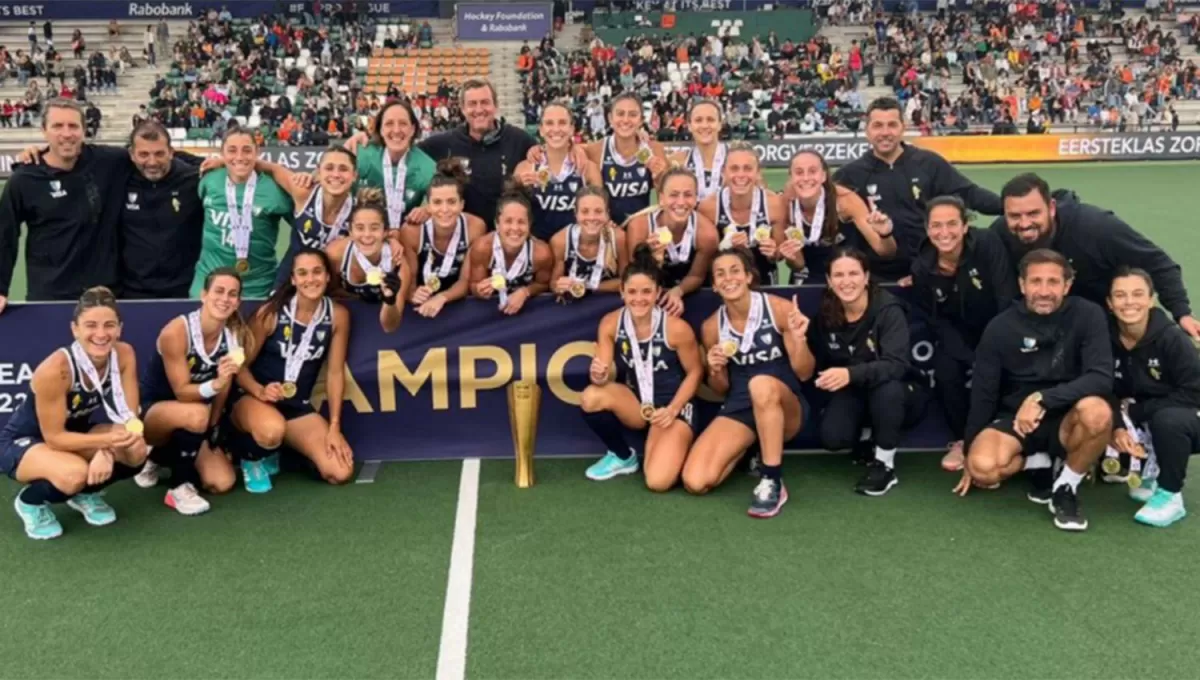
x: 642, y: 261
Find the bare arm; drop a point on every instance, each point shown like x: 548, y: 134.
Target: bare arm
x: 683, y: 339
x: 51, y: 382
x: 335, y: 375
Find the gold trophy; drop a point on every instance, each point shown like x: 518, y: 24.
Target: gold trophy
x: 524, y: 403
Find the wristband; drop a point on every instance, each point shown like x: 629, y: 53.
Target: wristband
x: 207, y: 390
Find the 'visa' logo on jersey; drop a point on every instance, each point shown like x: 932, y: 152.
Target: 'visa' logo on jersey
x: 314, y: 353
x: 762, y: 356
x: 627, y: 190
x: 556, y: 203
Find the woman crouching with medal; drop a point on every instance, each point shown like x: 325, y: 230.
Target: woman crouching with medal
x: 370, y: 263
x: 758, y: 364
x: 184, y: 392
x: 657, y: 374
x: 296, y: 332
x: 509, y: 263
x: 50, y: 444
x: 437, y: 248
x: 589, y: 255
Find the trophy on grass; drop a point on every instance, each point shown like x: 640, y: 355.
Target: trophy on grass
x: 524, y: 403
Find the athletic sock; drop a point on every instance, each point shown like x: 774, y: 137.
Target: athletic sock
x: 247, y: 448
x: 120, y: 472
x: 771, y: 472
x: 42, y: 492
x: 1068, y: 477
x: 886, y: 456
x: 1038, y: 461
x: 188, y: 442
x: 610, y: 431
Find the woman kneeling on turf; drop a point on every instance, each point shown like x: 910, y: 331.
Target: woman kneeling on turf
x: 297, y: 331
x: 758, y: 368
x: 1158, y: 385
x: 658, y: 374
x: 184, y: 392
x: 49, y: 443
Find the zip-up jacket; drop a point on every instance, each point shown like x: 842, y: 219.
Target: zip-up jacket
x: 161, y: 228
x: 1162, y: 370
x: 875, y: 348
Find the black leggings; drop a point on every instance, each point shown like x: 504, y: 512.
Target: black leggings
x: 1176, y: 434
x: 950, y: 377
x: 889, y: 408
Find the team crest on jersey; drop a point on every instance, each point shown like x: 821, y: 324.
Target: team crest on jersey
x: 1029, y: 345
x: 766, y: 338
x: 612, y: 173
x: 1153, y: 367
x: 916, y: 189
x: 56, y: 190
x: 23, y: 442
x: 191, y: 362
x: 307, y: 226
x: 287, y: 332
x: 641, y: 172
x: 76, y: 401
x: 975, y: 280
x: 939, y: 294
x: 132, y: 204
x: 624, y: 347
x: 175, y: 204
x: 870, y: 345
x: 833, y: 342
x: 573, y: 185
x: 466, y: 165
x: 257, y: 211
x: 320, y: 336
x: 658, y: 350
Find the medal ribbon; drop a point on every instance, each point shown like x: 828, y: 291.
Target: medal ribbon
x: 118, y: 412
x: 393, y: 184
x: 678, y: 253
x: 338, y: 227
x: 297, y: 354
x: 755, y: 206
x: 575, y: 233
x: 704, y: 189
x: 568, y: 168
x: 517, y: 268
x: 451, y: 248
x: 818, y: 221
x: 241, y: 218
x: 193, y: 324
x: 643, y: 367
x: 753, y: 320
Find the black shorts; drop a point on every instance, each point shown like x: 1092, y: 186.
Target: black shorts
x: 1042, y: 440
x: 745, y: 415
x: 13, y: 450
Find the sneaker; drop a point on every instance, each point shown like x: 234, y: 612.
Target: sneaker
x: 1143, y: 493
x: 39, y: 520
x: 271, y: 463
x: 254, y: 475
x: 1068, y: 515
x: 186, y: 500
x: 1041, y: 482
x: 93, y: 508
x: 954, y: 460
x: 768, y: 500
x: 148, y: 477
x: 878, y: 480
x: 1162, y: 510
x: 612, y: 465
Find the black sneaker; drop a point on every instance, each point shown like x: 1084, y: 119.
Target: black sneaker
x: 863, y: 452
x: 768, y: 498
x: 878, y: 480
x: 1040, y: 486
x: 1068, y: 514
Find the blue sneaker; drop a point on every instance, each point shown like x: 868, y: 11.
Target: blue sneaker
x: 39, y: 520
x: 1162, y: 510
x: 612, y: 465
x: 93, y: 508
x: 254, y: 474
x: 271, y: 463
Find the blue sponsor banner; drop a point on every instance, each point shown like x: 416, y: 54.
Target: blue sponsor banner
x: 503, y: 20
x: 184, y: 9
x: 435, y: 389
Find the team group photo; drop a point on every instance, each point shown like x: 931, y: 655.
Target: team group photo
x: 612, y: 252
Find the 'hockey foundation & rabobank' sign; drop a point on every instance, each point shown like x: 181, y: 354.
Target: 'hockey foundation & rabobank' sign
x: 186, y: 9
x: 503, y: 20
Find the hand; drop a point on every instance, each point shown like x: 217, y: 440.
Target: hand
x: 833, y: 379
x: 356, y: 139
x: 421, y: 295
x: 535, y: 155
x: 271, y: 393
x: 3, y: 303
x: 212, y: 163
x: 483, y: 287
x: 768, y: 248
x: 100, y: 467
x: 657, y: 248
x: 664, y: 416
x: 528, y: 178
x: 905, y: 282
x: 385, y: 291
x: 432, y: 307
x: 880, y: 223
x: 1123, y: 441
x: 226, y: 369
x: 964, y: 484
x: 672, y: 302
x: 600, y: 372
x: 302, y: 181
x: 739, y: 239
x: 562, y: 285
x: 417, y: 215
x: 797, y: 322
x: 579, y: 157
x: 120, y: 438
x: 336, y: 446
x: 793, y: 252
x: 657, y: 165
x: 1187, y: 323
x: 30, y: 155
x: 516, y: 300
x: 397, y: 252
x: 716, y: 358
x: 1028, y: 416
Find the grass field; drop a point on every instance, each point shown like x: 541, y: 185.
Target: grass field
x: 573, y: 579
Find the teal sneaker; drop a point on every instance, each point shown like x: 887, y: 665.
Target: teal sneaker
x: 254, y: 474
x: 1162, y: 510
x: 612, y: 465
x: 93, y: 508
x: 271, y: 463
x: 39, y: 520
x: 1143, y: 493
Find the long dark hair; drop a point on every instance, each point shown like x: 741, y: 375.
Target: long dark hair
x: 833, y: 313
x: 642, y: 262
x: 284, y: 293
x: 829, y: 230
x: 235, y: 322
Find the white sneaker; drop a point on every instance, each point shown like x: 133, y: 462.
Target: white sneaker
x: 186, y: 500
x: 148, y: 477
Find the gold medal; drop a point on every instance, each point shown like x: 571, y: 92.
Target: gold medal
x: 729, y: 348
x: 644, y: 154
x: 374, y: 277
x: 242, y: 266
x: 289, y: 390
x: 578, y: 289
x: 794, y: 234
x: 762, y: 234
x: 664, y: 236
x: 237, y: 356
x: 433, y: 283
x: 499, y: 282
x: 543, y: 176
x: 1134, y: 481
x: 730, y: 231
x: 648, y: 412
x: 135, y: 426
x: 1111, y: 466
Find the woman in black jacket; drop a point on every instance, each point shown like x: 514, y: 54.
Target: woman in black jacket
x: 860, y: 342
x: 1157, y: 384
x: 962, y: 277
